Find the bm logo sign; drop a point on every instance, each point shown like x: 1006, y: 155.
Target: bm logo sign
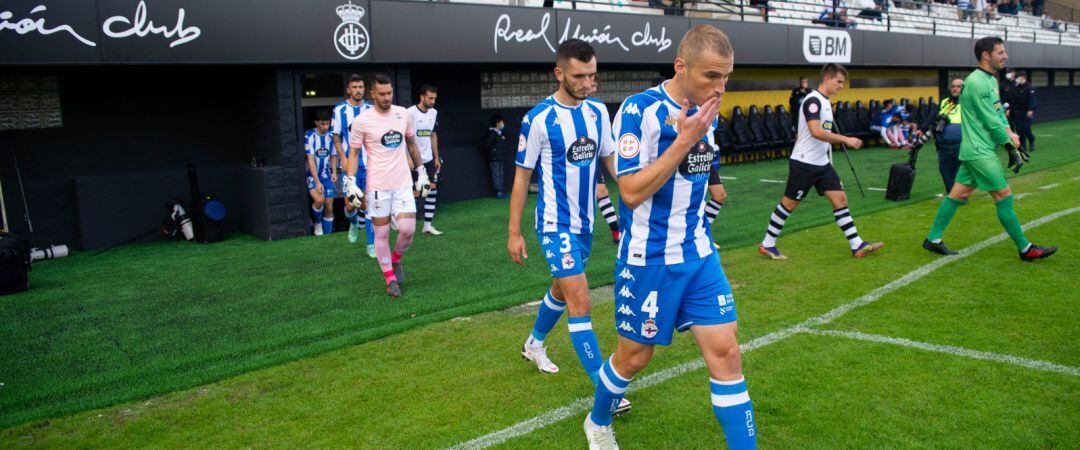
x: 826, y: 46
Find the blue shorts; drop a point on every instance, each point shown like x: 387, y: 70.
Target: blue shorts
x: 566, y: 253
x: 651, y: 302
x: 327, y: 184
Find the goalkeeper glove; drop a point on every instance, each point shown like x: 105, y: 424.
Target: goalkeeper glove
x: 353, y: 194
x: 423, y: 184
x: 1017, y: 157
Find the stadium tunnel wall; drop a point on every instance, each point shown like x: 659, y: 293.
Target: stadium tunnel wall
x: 137, y: 110
x: 129, y: 133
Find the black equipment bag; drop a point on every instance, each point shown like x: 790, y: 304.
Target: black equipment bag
x: 14, y: 264
x: 901, y: 177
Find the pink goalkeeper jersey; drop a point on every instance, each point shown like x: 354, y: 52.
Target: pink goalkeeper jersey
x: 382, y: 135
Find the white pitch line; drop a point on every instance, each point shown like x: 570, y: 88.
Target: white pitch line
x: 763, y: 180
x: 1051, y: 186
x: 1021, y: 195
x: 728, y: 178
x: 875, y: 189
x: 582, y: 404
x: 953, y: 350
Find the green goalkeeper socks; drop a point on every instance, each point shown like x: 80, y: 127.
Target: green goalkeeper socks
x: 945, y: 214
x: 1007, y: 216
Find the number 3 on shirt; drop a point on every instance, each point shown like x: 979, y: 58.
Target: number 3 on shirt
x: 650, y: 305
x: 565, y: 243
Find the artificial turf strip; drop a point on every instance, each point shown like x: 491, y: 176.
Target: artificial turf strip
x: 452, y: 381
x: 147, y: 319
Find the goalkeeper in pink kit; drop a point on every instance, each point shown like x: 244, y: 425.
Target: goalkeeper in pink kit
x: 381, y: 131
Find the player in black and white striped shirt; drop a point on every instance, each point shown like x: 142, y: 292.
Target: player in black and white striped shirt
x: 811, y: 166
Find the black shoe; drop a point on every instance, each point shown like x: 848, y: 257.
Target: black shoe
x: 938, y: 247
x: 1035, y: 252
x: 399, y: 273
x: 393, y: 289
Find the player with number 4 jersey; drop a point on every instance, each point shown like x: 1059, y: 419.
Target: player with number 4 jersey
x: 667, y: 275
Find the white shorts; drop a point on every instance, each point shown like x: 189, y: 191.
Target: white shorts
x: 391, y: 202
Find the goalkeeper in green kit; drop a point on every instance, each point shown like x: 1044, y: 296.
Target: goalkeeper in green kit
x: 984, y: 128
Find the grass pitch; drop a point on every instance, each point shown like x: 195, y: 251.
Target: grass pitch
x: 175, y: 316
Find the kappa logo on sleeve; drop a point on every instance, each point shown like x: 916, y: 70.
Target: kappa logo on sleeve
x: 631, y: 109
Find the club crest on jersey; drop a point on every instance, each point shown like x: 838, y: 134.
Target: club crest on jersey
x: 626, y: 275
x: 671, y: 121
x: 322, y: 152
x: 567, y: 261
x: 813, y: 108
x: 625, y: 310
x: 392, y: 139
x: 698, y: 162
x: 625, y: 326
x: 351, y: 39
x: 582, y: 152
x: 649, y: 329
x: 629, y: 146
x: 625, y: 292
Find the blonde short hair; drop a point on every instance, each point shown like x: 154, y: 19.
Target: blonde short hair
x: 702, y: 39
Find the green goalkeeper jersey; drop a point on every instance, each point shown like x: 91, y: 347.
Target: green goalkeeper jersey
x: 984, y: 126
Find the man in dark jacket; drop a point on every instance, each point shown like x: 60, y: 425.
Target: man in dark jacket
x: 798, y: 94
x: 494, y: 148
x: 1022, y: 106
x: 1006, y: 91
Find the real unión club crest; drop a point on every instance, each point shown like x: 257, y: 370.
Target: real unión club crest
x: 351, y: 39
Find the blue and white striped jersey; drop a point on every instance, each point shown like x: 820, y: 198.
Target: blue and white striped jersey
x: 341, y: 124
x: 669, y: 227
x: 563, y: 144
x: 321, y: 146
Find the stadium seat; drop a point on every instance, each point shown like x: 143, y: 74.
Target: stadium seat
x: 740, y: 128
x: 773, y: 129
x: 757, y: 129
x: 725, y: 140
x: 787, y: 126
x: 862, y: 119
x: 922, y: 112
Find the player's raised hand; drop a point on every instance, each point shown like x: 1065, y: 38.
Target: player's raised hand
x: 515, y: 245
x: 694, y: 127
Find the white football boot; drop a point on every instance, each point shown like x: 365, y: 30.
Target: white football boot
x: 428, y: 229
x: 600, y: 438
x: 538, y: 355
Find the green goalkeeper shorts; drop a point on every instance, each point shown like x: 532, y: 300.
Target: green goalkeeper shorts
x: 983, y: 173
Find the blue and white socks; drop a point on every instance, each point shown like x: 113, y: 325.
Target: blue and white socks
x: 732, y: 407
x: 546, y: 318
x: 610, y: 390
x: 585, y: 345
x: 327, y: 224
